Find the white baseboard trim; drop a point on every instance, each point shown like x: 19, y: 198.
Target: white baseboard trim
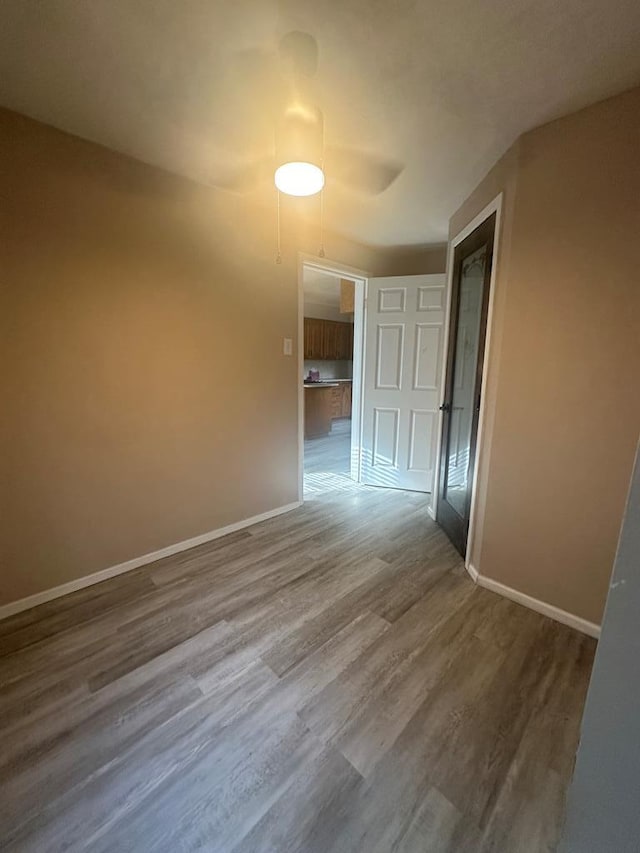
x: 472, y: 572
x: 570, y: 619
x: 431, y: 512
x: 111, y: 572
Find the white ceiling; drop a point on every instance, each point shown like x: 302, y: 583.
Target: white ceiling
x: 443, y: 86
x: 321, y: 288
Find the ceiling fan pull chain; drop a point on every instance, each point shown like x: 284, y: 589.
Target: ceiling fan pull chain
x: 278, y: 254
x: 321, y: 249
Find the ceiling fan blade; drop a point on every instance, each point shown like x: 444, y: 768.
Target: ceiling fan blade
x: 359, y: 170
x: 253, y: 81
x: 247, y: 178
x: 298, y: 54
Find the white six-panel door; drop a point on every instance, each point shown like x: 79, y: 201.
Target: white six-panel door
x: 404, y: 330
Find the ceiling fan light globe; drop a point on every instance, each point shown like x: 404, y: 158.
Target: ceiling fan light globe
x: 299, y: 178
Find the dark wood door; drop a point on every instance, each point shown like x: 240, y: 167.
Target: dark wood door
x: 463, y: 384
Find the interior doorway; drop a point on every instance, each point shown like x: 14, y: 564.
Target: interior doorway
x: 330, y: 363
x: 370, y: 374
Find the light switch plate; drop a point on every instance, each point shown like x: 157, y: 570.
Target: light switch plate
x: 287, y: 347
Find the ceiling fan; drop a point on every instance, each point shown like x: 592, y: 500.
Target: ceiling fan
x: 300, y: 160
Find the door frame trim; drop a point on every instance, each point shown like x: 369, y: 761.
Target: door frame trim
x: 494, y: 206
x: 361, y: 278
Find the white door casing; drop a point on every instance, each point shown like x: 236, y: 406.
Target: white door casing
x: 402, y: 378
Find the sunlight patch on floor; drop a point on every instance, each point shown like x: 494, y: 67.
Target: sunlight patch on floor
x: 321, y: 482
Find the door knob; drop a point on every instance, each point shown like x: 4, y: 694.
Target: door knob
x: 445, y: 407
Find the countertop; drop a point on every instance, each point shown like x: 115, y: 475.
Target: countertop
x: 321, y: 384
x: 327, y: 382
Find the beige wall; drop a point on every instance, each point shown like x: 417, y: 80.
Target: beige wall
x: 145, y: 396
x: 142, y: 350
x: 426, y: 260
x: 563, y: 400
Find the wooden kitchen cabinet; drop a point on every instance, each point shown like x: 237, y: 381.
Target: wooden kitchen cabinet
x: 313, y: 338
x: 347, y: 296
x: 324, y: 404
x: 341, y: 401
x: 344, y: 342
x: 327, y: 340
x: 330, y: 340
x: 318, y: 402
x: 336, y: 402
x: 346, y: 399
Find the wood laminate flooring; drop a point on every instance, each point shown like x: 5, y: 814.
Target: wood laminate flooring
x: 329, y: 454
x: 326, y: 681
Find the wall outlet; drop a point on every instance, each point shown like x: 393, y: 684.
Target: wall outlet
x: 287, y: 346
